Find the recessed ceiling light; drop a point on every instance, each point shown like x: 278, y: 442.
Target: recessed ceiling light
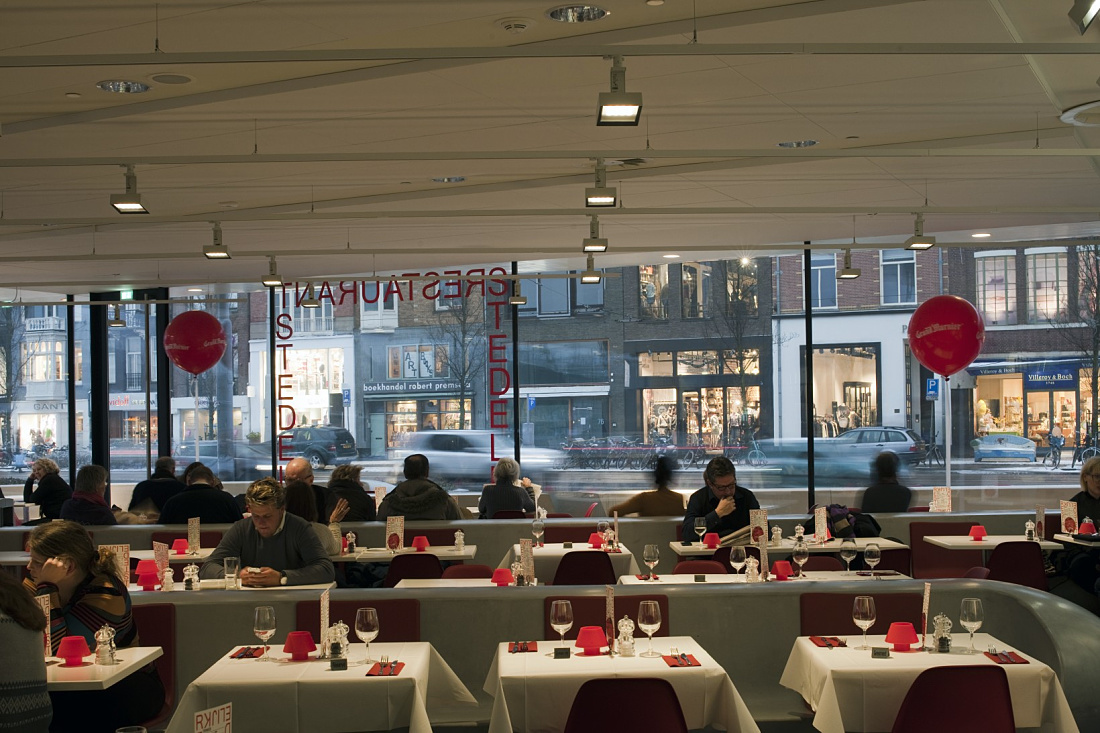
x: 121, y: 86
x: 450, y: 179
x: 171, y: 78
x: 797, y: 144
x: 576, y: 13
x: 654, y: 3
x: 671, y: 257
x: 73, y: 95
x: 981, y: 235
x: 194, y: 290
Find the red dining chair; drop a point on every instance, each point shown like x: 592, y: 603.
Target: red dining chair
x: 559, y: 515
x: 468, y: 571
x: 700, y: 567
x: 930, y: 561
x: 398, y: 618
x: 592, y: 611
x: 822, y: 563
x: 661, y: 710
x: 1018, y: 562
x: 822, y: 614
x: 509, y: 514
x: 585, y: 567
x: 413, y: 565
x: 977, y: 572
x: 944, y: 699
x: 156, y: 625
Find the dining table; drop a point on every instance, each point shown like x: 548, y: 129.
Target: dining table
x: 548, y: 556
x: 533, y: 692
x: 446, y: 553
x: 1068, y: 539
x: 987, y: 543
x: 445, y: 583
x: 739, y: 578
x: 849, y: 691
x: 218, y: 584
x: 92, y: 676
x: 309, y: 697
x: 198, y: 557
x: 786, y: 546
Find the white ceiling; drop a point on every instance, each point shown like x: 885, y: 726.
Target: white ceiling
x: 328, y: 159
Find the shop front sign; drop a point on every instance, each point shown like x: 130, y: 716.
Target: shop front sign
x: 1051, y: 377
x: 412, y: 386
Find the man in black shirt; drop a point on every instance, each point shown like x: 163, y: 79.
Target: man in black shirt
x: 150, y: 495
x: 202, y: 500
x: 723, y: 503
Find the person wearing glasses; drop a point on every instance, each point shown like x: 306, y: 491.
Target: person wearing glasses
x: 1084, y: 568
x: 723, y: 503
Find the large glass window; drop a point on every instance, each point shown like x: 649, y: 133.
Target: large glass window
x: 695, y: 287
x: 554, y: 297
x: 746, y: 361
x: 741, y: 287
x: 1047, y: 288
x: 313, y: 320
x: 996, y: 288
x: 378, y: 309
x: 653, y: 289
x: 899, y: 277
x: 823, y: 280
x: 655, y: 364
x: 417, y: 361
x: 696, y: 362
x: 563, y: 362
x: 43, y: 359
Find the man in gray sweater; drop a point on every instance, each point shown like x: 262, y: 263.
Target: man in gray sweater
x: 275, y: 548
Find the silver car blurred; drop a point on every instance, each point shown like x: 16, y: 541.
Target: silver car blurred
x: 469, y: 455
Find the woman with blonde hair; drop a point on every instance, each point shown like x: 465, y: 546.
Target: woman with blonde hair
x: 85, y: 594
x: 52, y: 490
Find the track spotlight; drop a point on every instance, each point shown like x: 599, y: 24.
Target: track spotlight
x: 918, y: 241
x: 600, y: 196
x: 517, y: 298
x: 619, y: 107
x: 594, y: 243
x: 310, y: 301
x: 591, y: 276
x: 849, y: 272
x: 271, y: 279
x: 117, y: 321
x: 1083, y: 13
x: 129, y: 202
x: 216, y: 250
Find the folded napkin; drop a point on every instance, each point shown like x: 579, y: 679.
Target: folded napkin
x: 1007, y: 658
x: 686, y: 660
x: 248, y: 652
x: 646, y: 577
x: 392, y: 670
x: 827, y: 641
x: 868, y: 573
x: 518, y: 647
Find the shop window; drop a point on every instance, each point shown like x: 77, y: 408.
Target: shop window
x: 659, y: 413
x: 312, y: 320
x: 741, y: 288
x: 450, y: 292
x: 417, y: 361
x: 746, y: 361
x: 695, y: 288
x: 553, y: 296
x: 563, y: 362
x: 823, y: 281
x: 1046, y: 287
x: 530, y: 289
x: 653, y: 289
x: 655, y: 364
x: 381, y: 315
x: 315, y: 372
x: 899, y: 276
x: 696, y: 362
x: 996, y: 288
x: 845, y: 390
x: 134, y: 364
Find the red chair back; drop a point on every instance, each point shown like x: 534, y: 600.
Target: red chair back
x: 398, y: 618
x: 585, y: 567
x: 660, y: 712
x: 468, y: 571
x: 413, y: 565
x: 439, y: 536
x: 930, y: 561
x: 1018, y: 562
x: 900, y: 560
x: 559, y: 515
x: 822, y: 614
x: 156, y: 625
x: 590, y: 611
x: 566, y: 533
x: 822, y: 563
x: 919, y: 509
x: 977, y: 572
x: 509, y: 514
x: 943, y: 699
x: 696, y: 567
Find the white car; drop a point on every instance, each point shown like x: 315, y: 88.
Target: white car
x: 469, y: 455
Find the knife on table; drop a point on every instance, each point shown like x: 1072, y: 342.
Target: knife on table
x: 684, y: 658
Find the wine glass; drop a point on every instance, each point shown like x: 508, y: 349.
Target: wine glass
x: 800, y: 555
x: 863, y: 614
x: 871, y: 555
x: 848, y: 552
x: 738, y: 558
x: 651, y: 555
x: 649, y: 620
x: 601, y: 529
x: 971, y: 617
x: 537, y: 529
x: 264, y: 627
x: 700, y: 527
x: 366, y: 628
x: 561, y: 619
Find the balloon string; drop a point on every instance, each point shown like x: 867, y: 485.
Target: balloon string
x: 196, y: 381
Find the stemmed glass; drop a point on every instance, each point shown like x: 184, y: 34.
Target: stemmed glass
x: 264, y: 627
x: 871, y: 555
x: 651, y: 555
x: 738, y: 558
x: 700, y: 527
x: 848, y: 552
x: 649, y: 620
x: 800, y: 555
x: 601, y: 529
x: 971, y: 617
x: 366, y: 628
x: 561, y: 619
x: 863, y: 614
x: 537, y: 528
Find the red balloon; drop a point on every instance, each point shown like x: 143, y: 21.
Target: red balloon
x: 946, y: 333
x: 194, y: 341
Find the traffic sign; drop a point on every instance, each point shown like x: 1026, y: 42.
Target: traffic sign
x: 932, y: 389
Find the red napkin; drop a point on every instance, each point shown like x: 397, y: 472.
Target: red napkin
x: 617, y: 549
x: 827, y: 641
x: 1013, y: 658
x: 516, y: 647
x: 376, y: 670
x: 646, y: 577
x: 679, y: 661
x: 248, y: 652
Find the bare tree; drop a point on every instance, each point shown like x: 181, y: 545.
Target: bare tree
x: 1086, y: 337
x: 460, y: 335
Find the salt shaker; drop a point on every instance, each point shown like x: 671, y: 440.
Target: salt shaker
x: 777, y: 535
x: 460, y: 540
x: 167, y: 582
x: 105, y: 646
x: 1029, y: 530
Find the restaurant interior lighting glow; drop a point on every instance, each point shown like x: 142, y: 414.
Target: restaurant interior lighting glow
x: 117, y: 321
x: 619, y: 107
x: 1083, y: 13
x: 600, y: 195
x: 129, y: 202
x: 517, y: 298
x: 272, y: 278
x: 310, y: 301
x: 594, y: 242
x: 591, y: 275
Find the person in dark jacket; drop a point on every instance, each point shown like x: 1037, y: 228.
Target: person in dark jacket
x: 51, y: 493
x: 418, y: 497
x: 298, y: 469
x: 504, y: 493
x: 886, y: 494
x: 201, y: 499
x: 87, y: 505
x: 150, y: 495
x: 344, y: 484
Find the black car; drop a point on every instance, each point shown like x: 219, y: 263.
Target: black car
x: 321, y: 445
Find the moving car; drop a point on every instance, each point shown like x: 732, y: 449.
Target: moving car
x: 238, y: 461
x: 861, y: 445
x: 469, y: 455
x: 321, y: 445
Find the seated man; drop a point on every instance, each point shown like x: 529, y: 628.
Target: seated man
x: 275, y: 547
x: 886, y: 494
x: 298, y: 469
x: 201, y: 499
x: 418, y: 497
x: 723, y: 503
x: 153, y: 493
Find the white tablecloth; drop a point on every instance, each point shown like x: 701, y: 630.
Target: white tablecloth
x: 699, y: 550
x: 548, y: 556
x: 533, y: 693
x: 850, y: 691
x: 307, y: 697
x: 811, y: 575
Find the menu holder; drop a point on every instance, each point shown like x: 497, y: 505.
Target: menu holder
x: 395, y: 533
x: 390, y: 670
x: 44, y: 604
x: 758, y: 526
x: 160, y: 555
x: 527, y: 559
x: 193, y: 536
x: 1040, y: 522
x: 681, y: 660
x: 1006, y: 658
x: 821, y: 524
x: 1069, y: 516
x: 941, y: 499
x: 379, y: 496
x: 122, y: 560
x: 324, y: 623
